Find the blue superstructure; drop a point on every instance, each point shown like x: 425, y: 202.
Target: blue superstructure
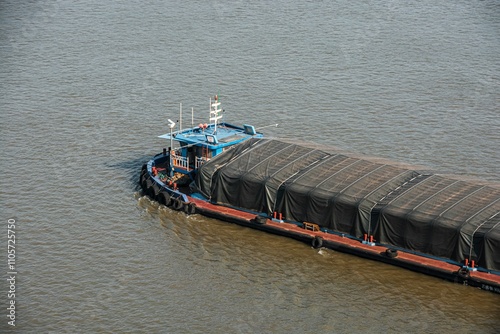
x: 198, y: 144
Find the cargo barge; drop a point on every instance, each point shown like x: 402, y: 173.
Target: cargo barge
x: 430, y: 223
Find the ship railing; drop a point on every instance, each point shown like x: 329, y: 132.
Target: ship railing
x: 180, y: 161
x: 200, y: 161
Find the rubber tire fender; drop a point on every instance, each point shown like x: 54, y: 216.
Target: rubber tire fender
x: 164, y: 198
x: 157, y: 189
x: 150, y: 192
x: 153, y: 191
x: 144, y: 171
x: 146, y: 183
x: 463, y: 273
x: 260, y: 220
x: 177, y: 204
x: 391, y: 253
x: 142, y: 177
x: 317, y: 242
x: 190, y: 208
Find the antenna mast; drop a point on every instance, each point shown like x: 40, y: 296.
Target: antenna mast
x: 215, y: 111
x: 180, y: 117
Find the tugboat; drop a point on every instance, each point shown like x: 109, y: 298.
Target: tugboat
x: 168, y: 176
x: 430, y: 223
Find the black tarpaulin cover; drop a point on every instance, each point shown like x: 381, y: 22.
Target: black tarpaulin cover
x: 432, y: 214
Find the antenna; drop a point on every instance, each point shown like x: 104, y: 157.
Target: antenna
x: 215, y: 111
x: 171, y: 125
x: 180, y: 117
x: 267, y: 126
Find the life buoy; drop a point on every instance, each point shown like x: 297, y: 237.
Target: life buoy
x: 190, y: 208
x: 177, y: 204
x: 391, y: 253
x: 317, y: 242
x: 164, y: 198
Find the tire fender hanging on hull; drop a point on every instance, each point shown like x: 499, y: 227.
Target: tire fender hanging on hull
x: 164, y: 198
x: 190, y: 208
x: 317, y: 242
x: 177, y: 204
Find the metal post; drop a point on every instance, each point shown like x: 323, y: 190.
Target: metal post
x: 170, y: 154
x: 171, y: 139
x: 171, y: 125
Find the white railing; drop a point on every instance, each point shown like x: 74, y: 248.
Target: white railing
x: 180, y: 161
x: 200, y: 161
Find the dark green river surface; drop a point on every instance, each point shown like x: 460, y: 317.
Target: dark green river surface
x: 87, y: 86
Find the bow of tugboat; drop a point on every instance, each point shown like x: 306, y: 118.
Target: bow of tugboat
x: 168, y: 177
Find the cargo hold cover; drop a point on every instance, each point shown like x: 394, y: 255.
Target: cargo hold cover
x: 431, y: 214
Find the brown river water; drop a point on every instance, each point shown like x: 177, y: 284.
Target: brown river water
x: 86, y: 87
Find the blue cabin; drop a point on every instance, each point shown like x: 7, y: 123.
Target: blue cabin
x: 198, y: 144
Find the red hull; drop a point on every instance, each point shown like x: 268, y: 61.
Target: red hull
x: 422, y: 264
